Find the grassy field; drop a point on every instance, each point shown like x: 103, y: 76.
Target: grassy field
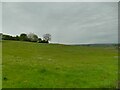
x: 0, y: 64
x: 34, y: 65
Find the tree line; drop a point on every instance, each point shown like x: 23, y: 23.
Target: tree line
x: 31, y: 37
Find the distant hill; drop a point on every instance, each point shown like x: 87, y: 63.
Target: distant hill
x: 106, y: 44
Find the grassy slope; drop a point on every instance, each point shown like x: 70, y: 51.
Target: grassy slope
x: 0, y: 64
x: 37, y: 65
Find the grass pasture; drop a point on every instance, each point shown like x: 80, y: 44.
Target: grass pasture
x: 34, y: 65
x: 0, y: 64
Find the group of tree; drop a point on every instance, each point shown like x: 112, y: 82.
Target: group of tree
x: 31, y: 37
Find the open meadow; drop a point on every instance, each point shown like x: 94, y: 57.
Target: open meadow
x: 0, y: 64
x: 35, y: 65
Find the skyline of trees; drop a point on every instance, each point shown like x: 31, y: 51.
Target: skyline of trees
x: 31, y: 37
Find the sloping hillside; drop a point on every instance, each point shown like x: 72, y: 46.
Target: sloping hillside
x: 35, y: 65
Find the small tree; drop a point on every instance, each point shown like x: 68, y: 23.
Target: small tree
x: 46, y: 37
x: 32, y: 37
x: 17, y: 38
x: 23, y: 37
x: 39, y: 40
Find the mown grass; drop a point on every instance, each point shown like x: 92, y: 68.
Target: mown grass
x: 34, y: 65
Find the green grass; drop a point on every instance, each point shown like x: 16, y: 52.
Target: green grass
x: 0, y: 64
x: 34, y: 65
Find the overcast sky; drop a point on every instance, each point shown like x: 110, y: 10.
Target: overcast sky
x: 68, y: 23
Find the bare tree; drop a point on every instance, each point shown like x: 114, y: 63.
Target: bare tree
x: 47, y: 37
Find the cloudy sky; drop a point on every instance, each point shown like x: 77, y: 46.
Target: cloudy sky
x: 68, y: 23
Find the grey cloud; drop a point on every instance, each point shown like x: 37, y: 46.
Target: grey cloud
x: 66, y: 22
x: 0, y: 17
